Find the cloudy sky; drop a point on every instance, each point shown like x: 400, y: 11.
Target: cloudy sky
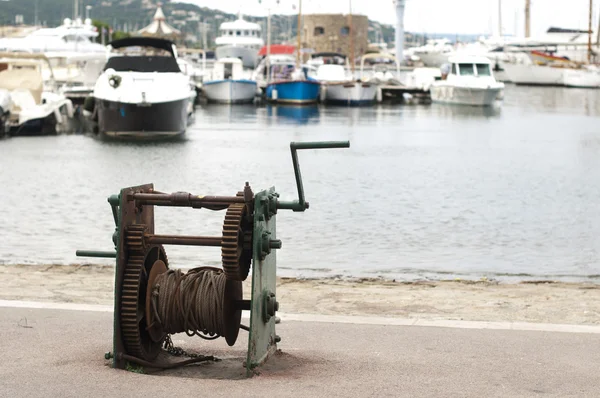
x: 444, y: 16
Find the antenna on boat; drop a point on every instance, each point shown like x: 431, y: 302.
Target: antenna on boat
x: 589, y: 57
x: 299, y: 34
x: 527, y: 18
x: 351, y: 33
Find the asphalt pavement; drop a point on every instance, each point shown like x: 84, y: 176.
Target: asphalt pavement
x: 60, y: 353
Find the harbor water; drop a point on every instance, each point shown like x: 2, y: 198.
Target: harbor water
x: 430, y: 191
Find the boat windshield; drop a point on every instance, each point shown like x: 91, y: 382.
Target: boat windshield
x: 466, y: 69
x: 143, y: 64
x: 483, y: 70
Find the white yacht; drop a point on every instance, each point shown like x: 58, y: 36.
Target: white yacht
x: 240, y: 39
x: 229, y: 83
x: 72, y: 36
x: 468, y: 80
x: 29, y: 108
x: 434, y: 53
x: 143, y: 93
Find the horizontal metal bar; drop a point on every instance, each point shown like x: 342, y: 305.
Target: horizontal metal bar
x: 244, y: 305
x: 184, y: 199
x: 183, y: 240
x: 320, y: 145
x: 292, y: 205
x: 95, y: 253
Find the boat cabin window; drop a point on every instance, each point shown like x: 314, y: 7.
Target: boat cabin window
x: 483, y: 69
x: 466, y: 69
x: 319, y: 31
x: 454, y: 70
x: 238, y: 33
x: 227, y: 70
x: 146, y: 64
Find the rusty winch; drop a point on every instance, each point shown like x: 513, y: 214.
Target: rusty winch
x: 154, y: 301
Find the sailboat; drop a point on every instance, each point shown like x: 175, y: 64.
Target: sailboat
x: 289, y: 83
x: 587, y: 75
x: 540, y: 68
x: 340, y: 88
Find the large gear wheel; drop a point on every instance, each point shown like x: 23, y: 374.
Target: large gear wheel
x: 134, y: 324
x: 236, y: 243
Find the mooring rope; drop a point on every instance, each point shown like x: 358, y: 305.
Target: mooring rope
x: 191, y: 302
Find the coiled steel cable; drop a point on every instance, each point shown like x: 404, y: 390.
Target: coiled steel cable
x: 190, y: 302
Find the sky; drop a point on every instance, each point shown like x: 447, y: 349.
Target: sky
x: 435, y: 16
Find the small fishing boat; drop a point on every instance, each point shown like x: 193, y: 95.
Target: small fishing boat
x: 228, y: 84
x: 338, y: 87
x: 289, y: 83
x: 468, y: 80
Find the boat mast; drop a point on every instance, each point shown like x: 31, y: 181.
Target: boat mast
x: 527, y: 18
x: 590, y: 32
x: 268, y: 60
x: 299, y: 34
x: 351, y: 32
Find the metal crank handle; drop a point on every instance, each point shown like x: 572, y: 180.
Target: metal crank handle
x: 301, y: 204
x: 95, y: 253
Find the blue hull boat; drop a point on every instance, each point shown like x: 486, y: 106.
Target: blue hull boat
x: 294, y: 91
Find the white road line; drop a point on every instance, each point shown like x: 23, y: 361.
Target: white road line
x: 360, y: 320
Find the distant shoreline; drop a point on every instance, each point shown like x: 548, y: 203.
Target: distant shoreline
x: 483, y: 300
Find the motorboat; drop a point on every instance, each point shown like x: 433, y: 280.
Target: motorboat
x: 229, y: 84
x: 72, y: 36
x: 75, y: 74
x: 467, y: 80
x: 338, y: 85
x: 239, y: 39
x: 143, y: 93
x: 385, y: 69
x: 28, y: 107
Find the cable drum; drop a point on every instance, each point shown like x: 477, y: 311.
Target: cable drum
x: 199, y: 302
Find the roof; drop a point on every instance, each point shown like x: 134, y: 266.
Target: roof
x: 553, y: 29
x: 159, y: 26
x: 163, y: 44
x: 469, y: 59
x: 278, y: 49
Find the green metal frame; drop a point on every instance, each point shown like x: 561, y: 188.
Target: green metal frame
x: 262, y: 341
x: 262, y: 338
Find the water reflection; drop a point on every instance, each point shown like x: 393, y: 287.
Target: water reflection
x: 466, y: 112
x: 301, y: 114
x: 553, y: 99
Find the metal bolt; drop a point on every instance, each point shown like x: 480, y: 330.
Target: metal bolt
x: 275, y: 244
